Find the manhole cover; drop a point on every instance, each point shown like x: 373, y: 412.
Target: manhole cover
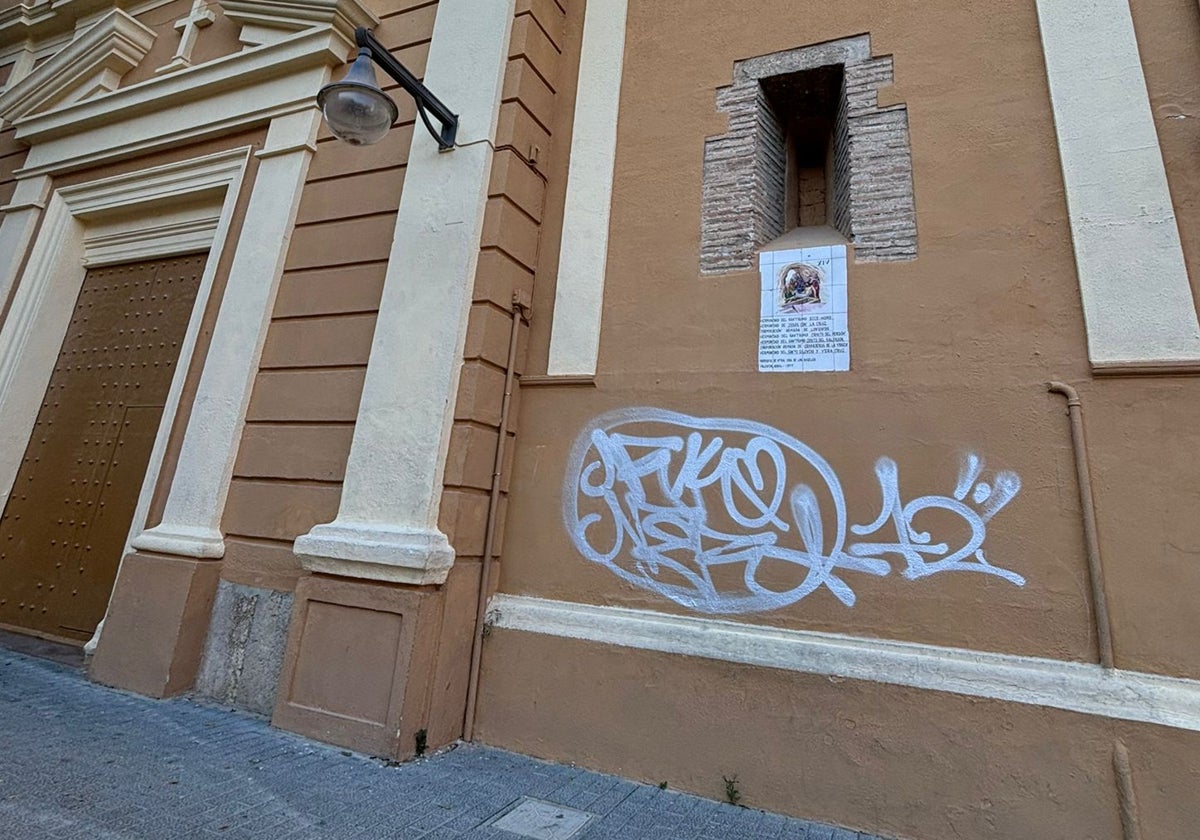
x: 543, y: 820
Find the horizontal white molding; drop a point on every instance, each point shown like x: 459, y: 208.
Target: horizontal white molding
x: 165, y: 239
x: 158, y: 185
x: 1073, y: 686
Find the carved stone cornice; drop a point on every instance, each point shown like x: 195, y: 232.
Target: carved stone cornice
x: 92, y: 63
x: 47, y: 18
x: 21, y: 18
x: 268, y: 21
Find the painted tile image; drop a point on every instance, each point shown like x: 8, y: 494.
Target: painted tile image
x: 727, y: 516
x: 803, y: 318
x: 802, y: 288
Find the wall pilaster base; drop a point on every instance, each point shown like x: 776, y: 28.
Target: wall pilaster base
x: 157, y: 621
x: 377, y: 552
x: 352, y: 647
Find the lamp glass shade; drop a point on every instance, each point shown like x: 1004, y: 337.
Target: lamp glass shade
x: 357, y: 111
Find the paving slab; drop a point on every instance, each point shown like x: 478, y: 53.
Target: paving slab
x: 79, y: 761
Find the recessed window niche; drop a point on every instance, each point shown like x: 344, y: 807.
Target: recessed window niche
x: 808, y: 152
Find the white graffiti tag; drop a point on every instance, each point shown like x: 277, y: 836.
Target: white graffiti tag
x: 728, y: 516
x: 914, y: 545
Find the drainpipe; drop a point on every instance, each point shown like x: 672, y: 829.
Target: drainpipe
x: 520, y: 307
x: 1130, y: 824
x: 1090, y: 535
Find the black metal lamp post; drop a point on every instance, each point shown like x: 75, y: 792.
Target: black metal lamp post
x: 360, y: 113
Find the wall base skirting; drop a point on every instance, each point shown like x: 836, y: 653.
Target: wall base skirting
x: 1073, y: 686
x: 374, y: 552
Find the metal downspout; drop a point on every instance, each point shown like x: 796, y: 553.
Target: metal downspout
x: 485, y: 569
x: 1090, y: 534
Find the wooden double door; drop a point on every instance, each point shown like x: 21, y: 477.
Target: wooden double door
x: 64, y: 527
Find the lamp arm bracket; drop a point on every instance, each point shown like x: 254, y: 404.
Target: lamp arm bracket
x: 426, y: 101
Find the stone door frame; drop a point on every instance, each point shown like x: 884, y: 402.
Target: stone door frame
x: 161, y: 211
x: 275, y: 89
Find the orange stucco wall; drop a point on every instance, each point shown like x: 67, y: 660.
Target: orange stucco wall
x: 950, y: 354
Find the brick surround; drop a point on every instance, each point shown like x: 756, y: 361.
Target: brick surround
x: 745, y: 168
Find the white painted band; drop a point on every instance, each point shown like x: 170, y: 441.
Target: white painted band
x: 1073, y: 686
x: 582, y: 261
x: 1122, y: 218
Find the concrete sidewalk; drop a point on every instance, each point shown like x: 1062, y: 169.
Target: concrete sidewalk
x: 81, y: 761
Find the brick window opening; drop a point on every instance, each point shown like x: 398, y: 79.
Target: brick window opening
x: 808, y: 146
x: 805, y: 105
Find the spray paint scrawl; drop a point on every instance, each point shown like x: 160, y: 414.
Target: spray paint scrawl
x: 705, y: 512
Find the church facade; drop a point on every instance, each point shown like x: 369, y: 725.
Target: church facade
x: 803, y: 395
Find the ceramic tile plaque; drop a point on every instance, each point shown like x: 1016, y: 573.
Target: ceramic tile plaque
x: 803, y: 325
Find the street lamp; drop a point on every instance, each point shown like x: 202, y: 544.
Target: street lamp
x: 360, y: 113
